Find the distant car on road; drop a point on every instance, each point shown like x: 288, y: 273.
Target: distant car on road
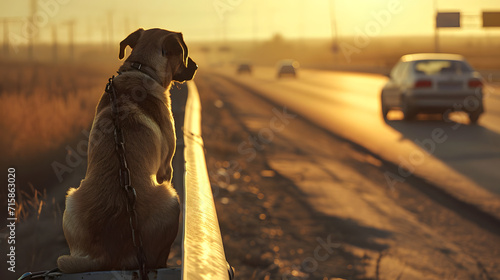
x: 433, y: 83
x: 287, y: 68
x: 244, y: 68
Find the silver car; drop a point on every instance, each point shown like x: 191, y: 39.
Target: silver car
x: 433, y: 83
x: 244, y: 68
x: 287, y: 67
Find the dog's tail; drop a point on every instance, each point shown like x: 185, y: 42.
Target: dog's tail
x: 71, y: 264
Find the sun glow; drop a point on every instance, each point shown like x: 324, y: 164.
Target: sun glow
x: 95, y: 20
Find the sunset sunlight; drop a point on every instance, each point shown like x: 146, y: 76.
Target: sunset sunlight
x: 250, y: 139
x: 243, y: 19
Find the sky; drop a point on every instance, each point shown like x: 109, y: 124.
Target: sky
x: 95, y: 20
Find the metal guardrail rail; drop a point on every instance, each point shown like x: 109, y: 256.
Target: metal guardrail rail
x: 203, y: 255
x: 156, y: 274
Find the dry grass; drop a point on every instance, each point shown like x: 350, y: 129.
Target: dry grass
x: 32, y: 203
x: 41, y: 122
x: 44, y: 106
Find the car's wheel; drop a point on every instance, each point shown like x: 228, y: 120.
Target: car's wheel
x: 474, y: 116
x: 384, y: 108
x: 408, y: 112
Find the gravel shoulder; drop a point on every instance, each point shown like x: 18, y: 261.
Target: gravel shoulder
x: 274, y: 172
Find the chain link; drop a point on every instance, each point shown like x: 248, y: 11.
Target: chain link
x: 125, y: 183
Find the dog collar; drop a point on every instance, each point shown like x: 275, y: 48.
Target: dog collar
x: 149, y: 71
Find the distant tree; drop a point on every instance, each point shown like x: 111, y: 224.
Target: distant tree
x: 273, y: 50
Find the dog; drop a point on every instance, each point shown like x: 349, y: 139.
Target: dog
x: 96, y: 223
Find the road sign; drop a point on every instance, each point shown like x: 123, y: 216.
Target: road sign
x: 445, y: 20
x: 491, y: 19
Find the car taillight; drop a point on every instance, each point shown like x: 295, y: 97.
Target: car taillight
x: 423, y: 84
x: 474, y: 83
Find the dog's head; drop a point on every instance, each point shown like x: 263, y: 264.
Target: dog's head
x: 163, y: 50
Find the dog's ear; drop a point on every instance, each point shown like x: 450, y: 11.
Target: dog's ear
x: 131, y: 41
x: 173, y: 44
x: 186, y: 73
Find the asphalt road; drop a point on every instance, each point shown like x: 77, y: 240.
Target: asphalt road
x: 409, y: 213
x: 460, y: 158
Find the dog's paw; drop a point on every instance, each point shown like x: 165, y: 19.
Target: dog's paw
x: 164, y: 175
x: 162, y: 179
x: 70, y: 264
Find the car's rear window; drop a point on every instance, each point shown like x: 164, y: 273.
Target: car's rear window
x: 436, y: 67
x: 287, y: 67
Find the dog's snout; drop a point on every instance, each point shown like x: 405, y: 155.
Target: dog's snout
x: 187, y: 73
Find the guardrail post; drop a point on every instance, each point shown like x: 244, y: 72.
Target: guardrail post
x: 179, y: 94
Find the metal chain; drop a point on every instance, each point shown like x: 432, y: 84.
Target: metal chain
x: 125, y: 182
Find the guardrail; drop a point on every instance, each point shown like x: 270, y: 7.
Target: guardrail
x: 203, y: 255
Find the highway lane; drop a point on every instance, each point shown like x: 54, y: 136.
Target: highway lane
x: 408, y: 232
x: 460, y: 158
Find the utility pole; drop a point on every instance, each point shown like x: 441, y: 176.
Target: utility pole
x: 224, y: 30
x: 71, y: 38
x: 89, y: 30
x: 6, y: 37
x: 71, y: 34
x: 6, y: 34
x: 436, y: 29
x: 335, y: 35
x: 31, y: 37
x: 301, y: 16
x: 104, y: 32
x: 54, y: 43
x: 255, y: 24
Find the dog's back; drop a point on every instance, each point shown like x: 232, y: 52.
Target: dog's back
x: 96, y: 213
